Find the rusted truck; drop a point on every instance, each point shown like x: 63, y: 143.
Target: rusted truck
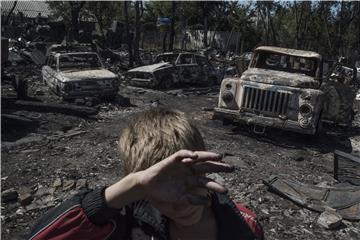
x: 286, y: 88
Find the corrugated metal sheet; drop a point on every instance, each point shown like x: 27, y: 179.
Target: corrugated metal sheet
x: 30, y: 9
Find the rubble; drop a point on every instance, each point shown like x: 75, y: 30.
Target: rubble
x: 48, y: 107
x: 344, y: 199
x: 329, y: 219
x: 81, y: 183
x: 9, y: 195
x: 57, y: 183
x: 25, y: 198
x: 68, y: 185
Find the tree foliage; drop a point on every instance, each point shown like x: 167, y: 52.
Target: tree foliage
x: 329, y: 27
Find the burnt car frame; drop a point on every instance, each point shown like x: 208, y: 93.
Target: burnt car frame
x: 170, y: 69
x: 285, y: 88
x: 74, y: 75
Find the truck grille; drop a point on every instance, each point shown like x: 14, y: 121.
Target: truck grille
x: 271, y: 102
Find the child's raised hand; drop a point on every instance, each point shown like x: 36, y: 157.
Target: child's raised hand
x: 178, y: 178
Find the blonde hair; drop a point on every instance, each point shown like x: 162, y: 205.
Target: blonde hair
x: 154, y: 135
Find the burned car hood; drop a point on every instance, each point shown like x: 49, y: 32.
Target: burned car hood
x: 279, y: 78
x: 151, y: 68
x: 87, y: 75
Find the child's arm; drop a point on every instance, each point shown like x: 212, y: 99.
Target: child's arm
x: 91, y: 215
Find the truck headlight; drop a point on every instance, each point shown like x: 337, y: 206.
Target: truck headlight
x: 305, y: 110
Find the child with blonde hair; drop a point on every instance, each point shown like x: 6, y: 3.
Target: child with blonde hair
x: 165, y: 194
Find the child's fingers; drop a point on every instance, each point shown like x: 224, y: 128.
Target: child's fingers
x: 183, y: 154
x: 210, y: 166
x: 203, y: 156
x: 204, y: 182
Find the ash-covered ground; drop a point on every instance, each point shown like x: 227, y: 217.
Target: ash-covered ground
x: 48, y: 163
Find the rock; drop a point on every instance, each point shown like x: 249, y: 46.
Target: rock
x: 52, y: 191
x: 9, y: 195
x: 57, y: 183
x: 236, y: 161
x: 329, y: 219
x: 208, y: 109
x: 154, y: 104
x: 39, y: 93
x: 68, y: 184
x: 32, y: 206
x: 217, y: 178
x: 25, y: 198
x: 81, y: 183
x: 300, y: 155
x: 42, y: 191
x: 80, y: 101
x: 20, y: 211
x: 323, y: 184
x: 175, y: 92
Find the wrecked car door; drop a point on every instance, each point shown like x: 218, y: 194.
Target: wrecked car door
x: 188, y: 70
x: 339, y: 87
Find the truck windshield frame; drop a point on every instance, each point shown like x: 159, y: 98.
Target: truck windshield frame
x: 285, y: 63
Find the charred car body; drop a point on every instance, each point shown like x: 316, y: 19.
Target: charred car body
x: 285, y: 88
x: 172, y: 68
x: 78, y: 74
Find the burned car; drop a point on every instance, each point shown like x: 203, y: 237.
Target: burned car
x: 74, y: 75
x: 285, y: 88
x: 170, y: 69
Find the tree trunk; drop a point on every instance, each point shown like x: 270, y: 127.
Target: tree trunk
x: 164, y: 40
x: 128, y: 37
x: 137, y: 32
x: 205, y: 17
x: 9, y: 15
x: 75, y: 14
x: 172, y: 28
x: 183, y: 26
